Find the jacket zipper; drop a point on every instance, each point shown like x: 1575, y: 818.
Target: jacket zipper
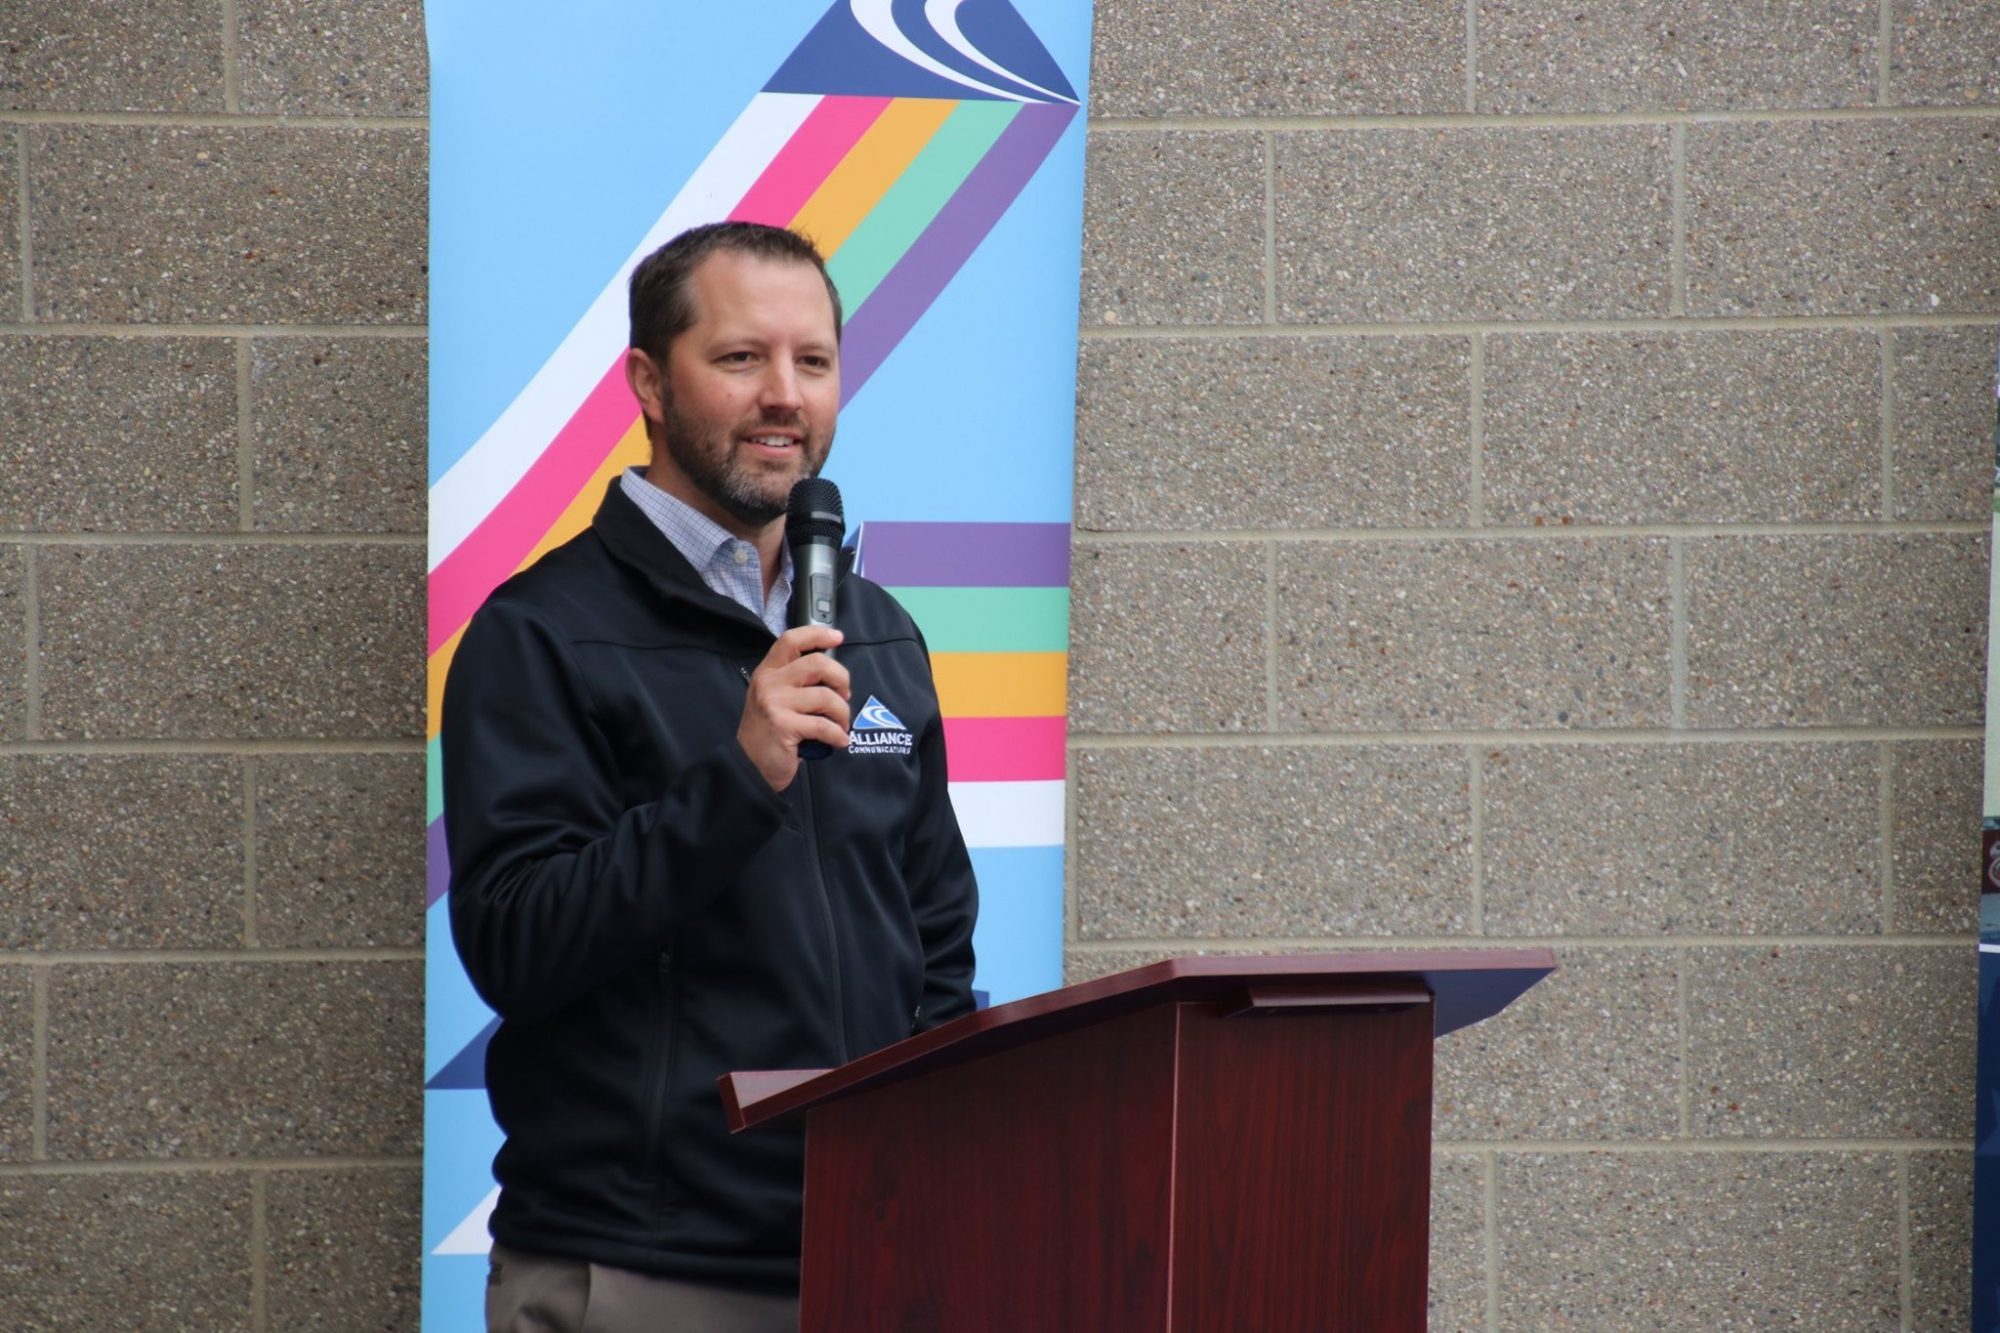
x: 656, y: 1130
x: 825, y: 900
x: 826, y: 910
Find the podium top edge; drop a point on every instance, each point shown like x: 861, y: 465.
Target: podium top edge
x: 1466, y: 986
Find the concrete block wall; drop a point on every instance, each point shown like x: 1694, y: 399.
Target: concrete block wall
x: 212, y: 406
x: 1531, y: 472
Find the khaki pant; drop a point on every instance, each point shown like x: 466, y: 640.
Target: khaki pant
x: 534, y: 1293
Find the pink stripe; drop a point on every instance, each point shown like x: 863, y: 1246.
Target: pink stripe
x: 495, y: 548
x: 1004, y: 749
x: 808, y: 157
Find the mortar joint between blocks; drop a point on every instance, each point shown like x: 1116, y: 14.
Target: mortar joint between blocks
x: 38, y: 1077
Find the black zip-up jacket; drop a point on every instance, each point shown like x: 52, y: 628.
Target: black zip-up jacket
x: 645, y: 914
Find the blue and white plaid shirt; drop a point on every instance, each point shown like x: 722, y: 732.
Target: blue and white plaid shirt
x: 726, y: 563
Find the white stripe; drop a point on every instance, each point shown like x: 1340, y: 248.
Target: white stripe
x: 471, y: 1236
x: 876, y: 20
x: 481, y: 478
x: 1009, y: 814
x: 1989, y: 948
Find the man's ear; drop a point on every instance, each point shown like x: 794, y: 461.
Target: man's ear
x: 644, y: 375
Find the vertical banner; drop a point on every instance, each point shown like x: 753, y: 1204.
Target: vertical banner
x: 1986, y: 1082
x: 934, y: 151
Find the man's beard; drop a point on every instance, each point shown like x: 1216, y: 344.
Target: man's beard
x: 706, y: 455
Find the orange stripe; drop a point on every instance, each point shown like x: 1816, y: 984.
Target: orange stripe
x: 854, y: 187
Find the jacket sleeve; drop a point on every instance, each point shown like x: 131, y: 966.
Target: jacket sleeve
x: 943, y: 893
x: 555, y: 886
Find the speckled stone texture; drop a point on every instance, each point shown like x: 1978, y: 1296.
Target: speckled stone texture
x: 1813, y: 1041
x: 110, y: 851
x: 1301, y: 841
x: 1380, y: 636
x: 1167, y: 638
x: 1710, y: 839
x: 10, y: 224
x: 1590, y: 1052
x: 333, y: 57
x: 1273, y: 432
x: 1264, y: 57
x: 1943, y: 438
x: 235, y: 1060
x: 339, y: 431
x: 1651, y: 55
x: 1609, y: 1243
x: 340, y: 850
x: 1839, y: 630
x: 343, y: 1249
x: 1934, y: 812
x: 1458, y: 1244
x: 1089, y: 964
x: 1430, y: 224
x: 111, y: 55
x: 117, y: 434
x: 126, y: 1251
x: 1843, y: 217
x: 1945, y: 53
x: 232, y: 641
x: 258, y: 224
x: 1940, y: 1240
x: 1173, y: 228
x: 17, y: 1064
x: 1768, y: 426
x: 14, y: 642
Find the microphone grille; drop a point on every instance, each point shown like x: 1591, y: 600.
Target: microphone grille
x: 814, y: 511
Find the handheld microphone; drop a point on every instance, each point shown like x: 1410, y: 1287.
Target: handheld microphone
x: 814, y: 524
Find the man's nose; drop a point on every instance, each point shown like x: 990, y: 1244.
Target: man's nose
x: 780, y: 387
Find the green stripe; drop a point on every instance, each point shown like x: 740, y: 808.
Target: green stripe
x: 433, y: 782
x: 990, y: 620
x: 895, y: 222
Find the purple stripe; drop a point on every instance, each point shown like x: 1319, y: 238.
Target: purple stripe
x: 966, y: 555
x: 437, y: 864
x: 901, y: 298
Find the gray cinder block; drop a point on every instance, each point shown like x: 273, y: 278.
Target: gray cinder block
x: 109, y: 851
x: 118, y: 434
x: 1836, y: 630
x: 321, y: 58
x: 235, y: 641
x: 339, y: 431
x: 1683, y: 840
x: 1507, y: 634
x: 235, y: 1060
x: 1770, y: 426
x: 340, y: 850
x: 240, y: 225
x: 1186, y: 433
x: 1173, y: 228
x: 1848, y: 217
x: 1473, y: 224
x: 1244, y: 842
x: 1167, y: 637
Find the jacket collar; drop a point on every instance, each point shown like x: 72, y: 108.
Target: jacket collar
x: 633, y: 541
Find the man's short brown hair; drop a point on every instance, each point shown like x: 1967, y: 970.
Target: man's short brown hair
x: 662, y: 297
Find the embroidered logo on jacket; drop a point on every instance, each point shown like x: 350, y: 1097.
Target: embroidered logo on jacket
x: 876, y: 730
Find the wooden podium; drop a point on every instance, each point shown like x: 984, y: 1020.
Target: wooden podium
x: 1205, y: 1145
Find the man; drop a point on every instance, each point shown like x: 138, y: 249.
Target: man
x: 648, y: 885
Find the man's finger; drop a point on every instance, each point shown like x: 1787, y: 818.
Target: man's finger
x: 796, y: 643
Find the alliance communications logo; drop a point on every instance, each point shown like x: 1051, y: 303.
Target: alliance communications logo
x: 876, y: 730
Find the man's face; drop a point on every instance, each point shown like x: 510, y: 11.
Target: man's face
x: 747, y: 399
